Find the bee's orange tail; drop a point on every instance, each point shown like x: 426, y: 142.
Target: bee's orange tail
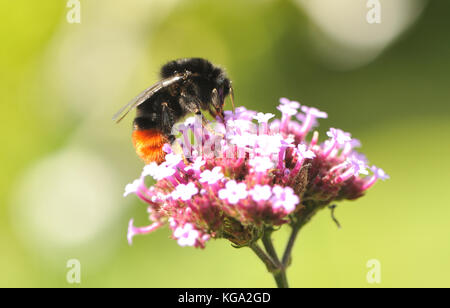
x: 149, y: 145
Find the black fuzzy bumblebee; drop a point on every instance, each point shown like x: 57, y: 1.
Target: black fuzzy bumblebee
x: 187, y: 86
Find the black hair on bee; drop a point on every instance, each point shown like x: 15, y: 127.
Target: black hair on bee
x: 190, y: 85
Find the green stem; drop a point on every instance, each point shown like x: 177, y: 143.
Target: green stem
x: 287, y: 252
x: 268, y: 245
x: 280, y: 275
x: 308, y: 213
x: 280, y: 279
x: 270, y: 259
x: 267, y: 260
x: 272, y: 266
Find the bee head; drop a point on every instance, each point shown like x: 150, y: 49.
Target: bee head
x: 220, y: 92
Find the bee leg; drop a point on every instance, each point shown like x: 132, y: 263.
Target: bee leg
x: 167, y: 121
x: 177, y: 149
x: 194, y: 107
x: 198, y: 113
x: 171, y: 138
x: 206, y: 125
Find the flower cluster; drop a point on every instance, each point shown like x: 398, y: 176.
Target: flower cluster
x: 248, y: 174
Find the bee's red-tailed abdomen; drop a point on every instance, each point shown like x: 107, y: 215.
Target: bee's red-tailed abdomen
x: 149, y: 144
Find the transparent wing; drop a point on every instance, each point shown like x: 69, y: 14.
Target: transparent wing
x: 145, y: 95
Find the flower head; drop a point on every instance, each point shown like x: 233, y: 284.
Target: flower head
x: 173, y: 160
x: 287, y: 102
x: 339, y: 136
x: 211, y: 176
x: 261, y: 163
x: 288, y: 109
x: 250, y: 176
x: 263, y: 117
x: 132, y: 187
x: 184, y: 191
x: 261, y: 193
x: 196, y: 165
x: 309, y: 119
x: 186, y: 235
x: 284, y: 198
x: 233, y: 192
x: 304, y: 152
x: 314, y: 112
x: 159, y: 172
x: 379, y: 173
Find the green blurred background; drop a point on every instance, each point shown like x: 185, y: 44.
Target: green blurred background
x: 65, y: 163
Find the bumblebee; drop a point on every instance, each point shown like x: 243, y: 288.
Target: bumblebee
x: 187, y: 86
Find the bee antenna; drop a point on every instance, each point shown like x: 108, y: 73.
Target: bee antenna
x: 232, y: 98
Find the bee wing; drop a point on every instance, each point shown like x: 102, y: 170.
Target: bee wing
x: 146, y: 94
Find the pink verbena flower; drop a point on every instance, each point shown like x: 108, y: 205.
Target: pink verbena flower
x: 233, y: 192
x: 261, y: 163
x: 263, y: 117
x: 254, y: 173
x: 211, y: 176
x: 261, y: 193
x: 310, y: 118
x: 186, y: 235
x: 184, y: 192
x: 284, y: 198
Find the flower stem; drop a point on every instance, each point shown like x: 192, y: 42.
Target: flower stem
x: 272, y: 266
x: 267, y: 260
x: 268, y: 245
x: 287, y: 252
x: 306, y: 216
x: 281, y: 279
x: 280, y: 274
x: 270, y: 259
